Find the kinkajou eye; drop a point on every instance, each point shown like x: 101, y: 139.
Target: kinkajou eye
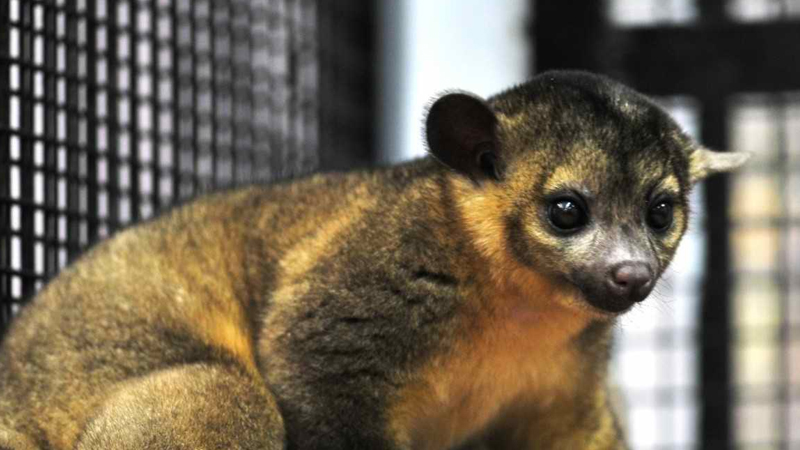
x: 659, y: 215
x: 567, y: 214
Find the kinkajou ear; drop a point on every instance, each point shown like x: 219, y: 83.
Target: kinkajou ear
x: 704, y: 162
x: 461, y: 130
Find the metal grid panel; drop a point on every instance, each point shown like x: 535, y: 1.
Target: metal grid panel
x: 111, y: 110
x: 673, y: 366
x: 656, y: 360
x: 765, y: 237
x: 245, y: 89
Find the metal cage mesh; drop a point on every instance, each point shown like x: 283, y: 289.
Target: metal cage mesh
x: 111, y: 110
x: 718, y: 364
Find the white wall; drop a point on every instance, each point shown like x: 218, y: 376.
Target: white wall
x: 428, y: 46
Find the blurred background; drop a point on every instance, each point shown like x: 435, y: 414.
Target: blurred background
x: 111, y: 110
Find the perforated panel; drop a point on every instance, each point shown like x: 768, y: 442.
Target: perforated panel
x: 111, y: 110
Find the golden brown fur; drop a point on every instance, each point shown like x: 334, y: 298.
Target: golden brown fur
x: 433, y: 305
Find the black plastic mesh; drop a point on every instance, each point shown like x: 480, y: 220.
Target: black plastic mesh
x: 113, y: 109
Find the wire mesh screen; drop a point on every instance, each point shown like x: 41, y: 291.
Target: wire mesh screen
x: 245, y: 90
x: 111, y: 110
x: 661, y: 351
x: 765, y: 237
